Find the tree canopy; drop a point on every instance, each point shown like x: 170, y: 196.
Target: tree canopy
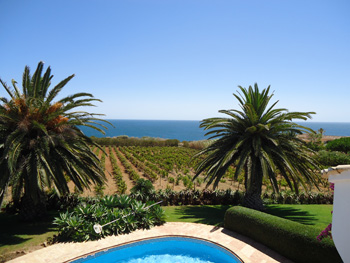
x: 260, y: 141
x: 41, y: 145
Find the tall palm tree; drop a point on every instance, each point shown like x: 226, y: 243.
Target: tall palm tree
x: 41, y: 145
x: 261, y: 142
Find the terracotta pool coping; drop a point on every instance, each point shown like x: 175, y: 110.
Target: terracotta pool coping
x: 245, y: 248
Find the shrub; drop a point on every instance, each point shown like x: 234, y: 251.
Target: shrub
x: 143, y: 190
x: 144, y: 186
x: 341, y: 145
x: 124, y: 140
x: 171, y: 180
x: 293, y: 240
x: 98, y: 189
x: 288, y: 197
x: 326, y: 158
x: 131, y: 214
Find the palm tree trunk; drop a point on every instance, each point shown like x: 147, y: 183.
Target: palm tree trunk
x: 31, y: 210
x: 253, y: 200
x: 253, y: 185
x: 2, y: 194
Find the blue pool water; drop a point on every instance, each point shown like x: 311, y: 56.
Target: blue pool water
x: 164, y: 250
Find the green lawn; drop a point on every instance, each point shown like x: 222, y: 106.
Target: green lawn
x: 18, y: 236
x: 318, y: 216
x: 206, y: 214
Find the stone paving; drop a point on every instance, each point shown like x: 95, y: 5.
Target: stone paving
x: 248, y: 250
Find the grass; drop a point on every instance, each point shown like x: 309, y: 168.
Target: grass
x: 206, y: 214
x: 318, y: 216
x: 19, y: 236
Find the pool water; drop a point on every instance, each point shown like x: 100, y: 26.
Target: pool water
x: 166, y: 259
x: 164, y: 250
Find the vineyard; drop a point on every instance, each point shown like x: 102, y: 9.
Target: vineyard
x: 166, y: 167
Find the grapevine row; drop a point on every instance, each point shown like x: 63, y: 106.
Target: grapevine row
x: 145, y: 166
x: 165, y: 158
x: 133, y: 175
x: 117, y: 173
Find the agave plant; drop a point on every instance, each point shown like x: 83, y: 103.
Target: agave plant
x: 41, y: 145
x: 78, y: 224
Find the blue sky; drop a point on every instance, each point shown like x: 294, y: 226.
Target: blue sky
x: 183, y: 59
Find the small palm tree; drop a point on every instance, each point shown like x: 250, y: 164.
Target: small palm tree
x: 261, y: 142
x: 41, y: 145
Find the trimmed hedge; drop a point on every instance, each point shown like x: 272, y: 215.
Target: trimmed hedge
x: 293, y: 240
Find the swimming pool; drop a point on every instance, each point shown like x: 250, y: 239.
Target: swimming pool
x: 164, y: 250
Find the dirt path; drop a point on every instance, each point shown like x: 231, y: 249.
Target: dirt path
x: 111, y: 187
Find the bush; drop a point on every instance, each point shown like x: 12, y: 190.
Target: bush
x: 171, y: 180
x: 326, y: 158
x: 341, y: 145
x: 293, y: 240
x: 289, y: 197
x: 131, y: 214
x: 143, y: 190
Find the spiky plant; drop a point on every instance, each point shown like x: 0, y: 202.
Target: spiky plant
x: 261, y: 141
x: 41, y: 145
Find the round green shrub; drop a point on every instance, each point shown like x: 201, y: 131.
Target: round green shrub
x: 327, y: 158
x: 341, y: 145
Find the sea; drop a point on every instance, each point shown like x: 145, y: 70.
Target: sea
x: 185, y: 130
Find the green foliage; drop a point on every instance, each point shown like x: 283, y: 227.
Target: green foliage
x: 133, y: 175
x: 293, y: 240
x: 326, y: 158
x: 117, y: 173
x: 316, y: 215
x: 288, y: 197
x: 260, y: 141
x: 41, y: 142
x: 340, y: 145
x: 103, y: 161
x: 99, y: 188
x: 203, y: 214
x: 124, y: 140
x: 77, y: 225
x: 144, y: 186
x: 171, y: 180
x: 315, y: 140
x: 187, y: 182
x: 199, y: 181
x: 143, y: 190
x: 197, y: 145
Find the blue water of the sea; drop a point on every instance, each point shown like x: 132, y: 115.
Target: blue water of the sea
x: 330, y: 128
x: 166, y: 129
x: 189, y: 130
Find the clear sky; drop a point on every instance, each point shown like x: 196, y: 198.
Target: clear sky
x: 183, y: 59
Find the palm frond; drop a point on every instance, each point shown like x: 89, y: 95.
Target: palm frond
x: 260, y: 141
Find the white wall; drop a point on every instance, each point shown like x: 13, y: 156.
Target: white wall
x: 341, y: 210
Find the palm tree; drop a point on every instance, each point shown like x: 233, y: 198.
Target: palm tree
x: 41, y: 145
x: 261, y: 142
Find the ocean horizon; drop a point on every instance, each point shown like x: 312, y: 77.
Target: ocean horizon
x: 188, y: 130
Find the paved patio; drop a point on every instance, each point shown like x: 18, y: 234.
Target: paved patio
x: 248, y: 250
